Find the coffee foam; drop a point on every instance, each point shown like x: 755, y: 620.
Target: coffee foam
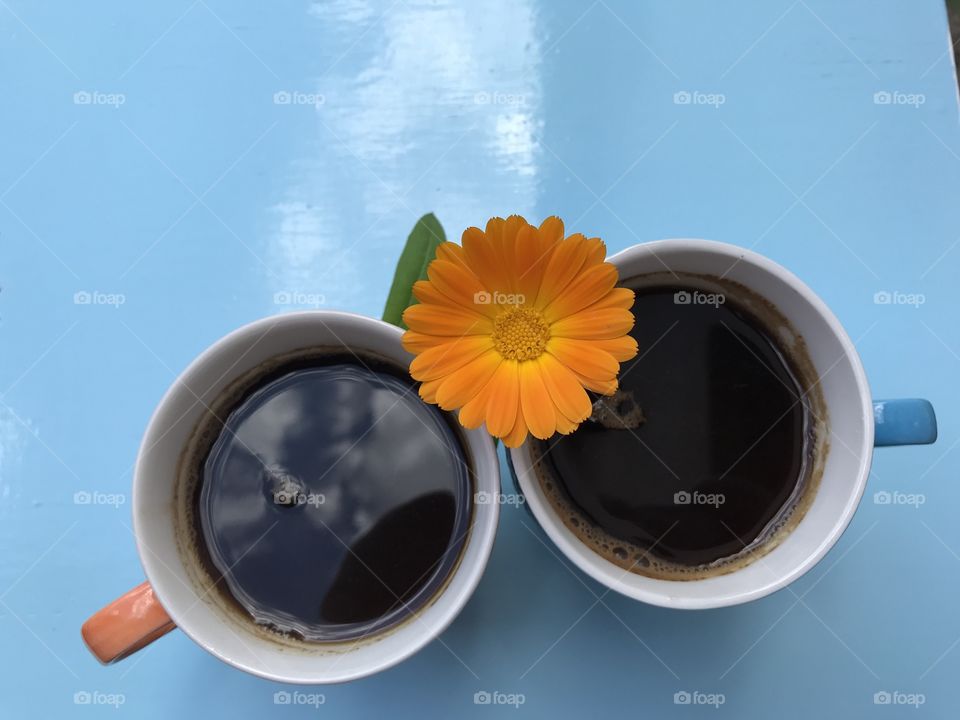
x: 642, y: 560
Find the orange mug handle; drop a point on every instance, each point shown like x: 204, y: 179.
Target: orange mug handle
x: 129, y: 623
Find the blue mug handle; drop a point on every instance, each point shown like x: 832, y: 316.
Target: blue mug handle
x: 910, y: 421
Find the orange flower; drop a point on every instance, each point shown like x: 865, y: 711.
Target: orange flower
x: 515, y: 325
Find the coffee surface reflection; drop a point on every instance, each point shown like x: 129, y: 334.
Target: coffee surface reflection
x: 334, y: 502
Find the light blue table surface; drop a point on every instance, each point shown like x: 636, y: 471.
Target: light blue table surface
x: 147, y: 159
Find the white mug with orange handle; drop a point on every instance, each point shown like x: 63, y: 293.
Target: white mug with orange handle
x: 175, y: 595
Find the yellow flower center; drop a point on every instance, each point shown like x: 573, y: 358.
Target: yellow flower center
x: 520, y: 333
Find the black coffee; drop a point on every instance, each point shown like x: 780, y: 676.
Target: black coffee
x: 334, y: 502
x: 703, y: 452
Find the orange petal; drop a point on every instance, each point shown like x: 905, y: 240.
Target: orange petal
x: 508, y: 249
x: 494, y: 230
x: 538, y: 408
x: 416, y: 343
x: 453, y: 253
x: 594, y: 324
x: 565, y: 389
x: 439, y: 361
x: 565, y: 262
x: 460, y: 285
x: 517, y: 434
x: 604, y: 387
x: 504, y: 398
x: 530, y: 262
x: 483, y: 259
x: 622, y: 348
x: 582, y: 358
x: 551, y: 230
x: 550, y: 233
x: 511, y: 227
x: 596, y: 253
x: 619, y: 297
x: 446, y: 320
x: 564, y: 426
x: 587, y: 288
x: 429, y: 294
x: 474, y: 412
x: 428, y: 391
x: 464, y: 384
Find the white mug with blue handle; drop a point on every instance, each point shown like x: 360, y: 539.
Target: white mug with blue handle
x: 855, y: 424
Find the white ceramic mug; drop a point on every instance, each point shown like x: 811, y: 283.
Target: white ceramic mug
x: 854, y: 422
x: 175, y: 595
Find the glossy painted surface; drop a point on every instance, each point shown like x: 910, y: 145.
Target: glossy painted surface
x: 170, y: 172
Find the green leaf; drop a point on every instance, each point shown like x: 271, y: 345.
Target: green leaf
x: 420, y: 249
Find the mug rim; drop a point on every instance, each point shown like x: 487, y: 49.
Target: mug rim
x: 440, y: 610
x: 662, y: 592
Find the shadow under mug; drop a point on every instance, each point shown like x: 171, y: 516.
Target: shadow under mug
x: 855, y: 425
x: 175, y: 594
